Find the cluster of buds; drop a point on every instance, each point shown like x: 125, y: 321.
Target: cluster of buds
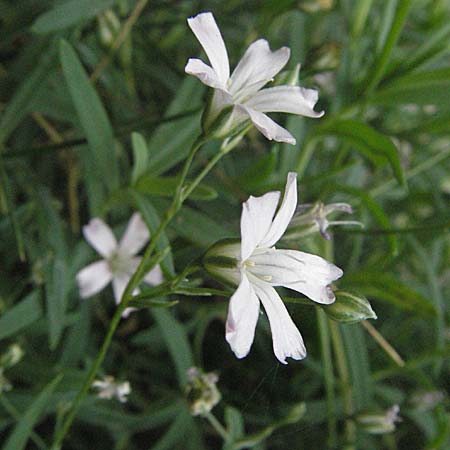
x: 312, y: 218
x: 9, y: 359
x: 201, y: 392
x: 108, y: 388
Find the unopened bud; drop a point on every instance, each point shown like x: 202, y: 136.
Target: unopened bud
x: 380, y: 423
x: 222, y: 261
x: 349, y: 308
x: 201, y: 391
x: 108, y: 27
x: 12, y: 356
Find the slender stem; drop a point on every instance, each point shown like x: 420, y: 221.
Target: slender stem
x: 346, y: 387
x: 305, y: 157
x: 383, y: 343
x: 180, y: 196
x: 217, y: 425
x: 329, y: 376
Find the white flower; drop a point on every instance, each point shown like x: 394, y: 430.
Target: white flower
x: 108, y: 389
x: 242, y: 90
x: 380, y: 423
x: 262, y: 267
x: 119, y: 261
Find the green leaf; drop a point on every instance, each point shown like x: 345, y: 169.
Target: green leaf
x: 142, y: 302
x: 152, y: 220
x: 69, y: 13
x: 170, y: 143
x: 20, y: 434
x: 93, y: 118
x: 419, y: 88
x: 140, y: 156
x: 17, y: 107
x: 382, y: 60
x: 376, y: 211
x: 166, y: 187
x: 20, y: 316
x: 234, y: 422
x: 388, y: 288
x: 369, y: 142
x: 177, y: 342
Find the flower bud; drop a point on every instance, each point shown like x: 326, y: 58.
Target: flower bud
x: 349, y: 308
x: 201, y: 391
x: 379, y: 423
x: 222, y: 261
x: 5, y: 385
x: 12, y: 356
x: 108, y: 27
x: 312, y: 218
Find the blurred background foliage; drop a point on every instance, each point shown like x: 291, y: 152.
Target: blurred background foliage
x: 96, y: 115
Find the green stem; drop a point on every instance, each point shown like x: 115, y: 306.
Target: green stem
x: 180, y: 196
x: 305, y: 157
x: 217, y: 426
x: 329, y: 376
x: 345, y: 381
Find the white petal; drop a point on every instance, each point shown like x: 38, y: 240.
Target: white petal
x: 302, y: 272
x: 284, y: 214
x: 287, y: 340
x: 208, y: 34
x: 93, y: 278
x: 119, y: 284
x: 243, y: 312
x: 289, y: 99
x: 203, y: 72
x: 258, y: 66
x: 154, y: 277
x: 270, y: 129
x: 135, y: 237
x: 100, y: 236
x: 256, y: 218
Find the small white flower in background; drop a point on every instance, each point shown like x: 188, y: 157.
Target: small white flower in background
x: 119, y: 261
x: 201, y: 391
x: 242, y: 91
x: 108, y: 389
x: 380, y: 423
x: 9, y: 359
x: 260, y: 267
x: 310, y: 218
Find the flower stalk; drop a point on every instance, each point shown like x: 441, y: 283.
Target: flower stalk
x: 181, y: 194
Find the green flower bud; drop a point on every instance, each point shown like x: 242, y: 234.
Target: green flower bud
x: 12, y: 356
x: 201, y: 391
x: 349, y: 308
x: 108, y: 27
x: 222, y: 261
x: 379, y: 423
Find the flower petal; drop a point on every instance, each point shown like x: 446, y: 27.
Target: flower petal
x: 135, y: 237
x: 208, y: 34
x: 308, y: 274
x: 287, y: 340
x: 288, y: 99
x: 270, y: 129
x: 243, y: 312
x: 154, y: 277
x: 100, y: 236
x: 203, y: 72
x: 93, y: 278
x: 258, y: 66
x: 284, y: 214
x: 256, y: 218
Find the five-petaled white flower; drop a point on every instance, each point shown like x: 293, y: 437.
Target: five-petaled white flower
x: 242, y: 90
x: 119, y: 261
x: 262, y: 267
